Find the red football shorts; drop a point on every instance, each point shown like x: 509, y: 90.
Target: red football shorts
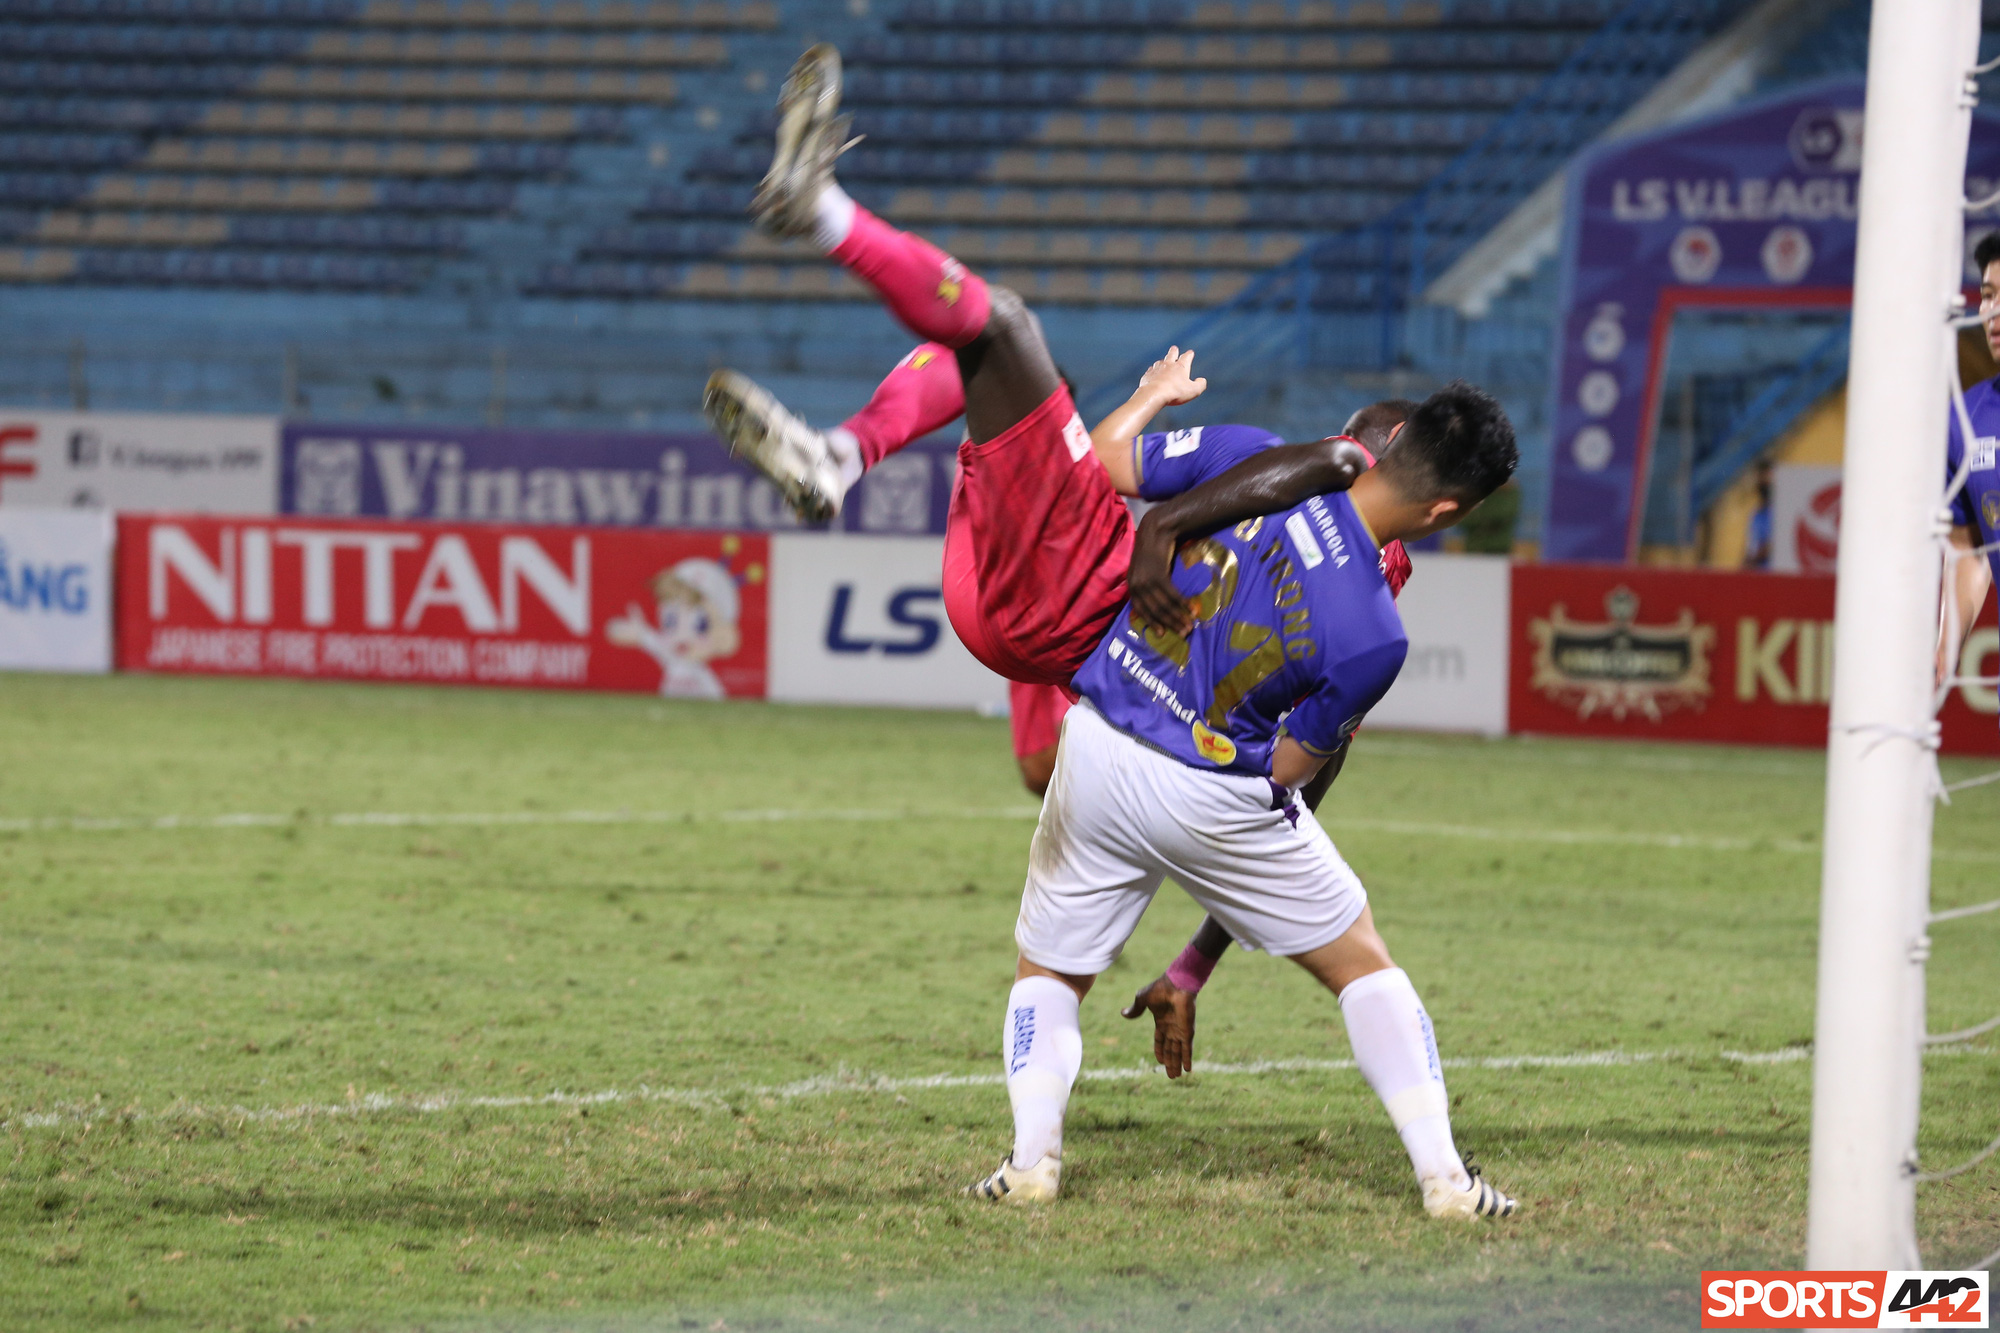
x: 1037, y: 714
x: 1036, y: 547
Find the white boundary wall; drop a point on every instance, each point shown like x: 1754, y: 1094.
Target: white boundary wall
x: 55, y: 590
x: 886, y: 640
x: 860, y: 620
x: 1456, y: 611
x: 138, y: 461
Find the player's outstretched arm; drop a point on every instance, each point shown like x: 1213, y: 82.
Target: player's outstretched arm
x: 1275, y: 479
x: 1169, y: 997
x: 1168, y: 382
x: 1966, y: 580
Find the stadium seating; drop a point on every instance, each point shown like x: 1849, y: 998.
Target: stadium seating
x: 216, y: 143
x: 1113, y: 152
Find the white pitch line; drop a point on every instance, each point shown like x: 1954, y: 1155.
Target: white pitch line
x: 850, y: 1082
x: 527, y: 818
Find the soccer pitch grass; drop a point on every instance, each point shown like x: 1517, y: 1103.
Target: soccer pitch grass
x: 293, y: 1071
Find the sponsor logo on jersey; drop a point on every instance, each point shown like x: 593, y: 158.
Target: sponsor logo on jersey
x: 1213, y: 746
x: 1076, y: 437
x: 1302, y: 539
x: 1619, y: 666
x: 1182, y: 442
x: 1984, y: 451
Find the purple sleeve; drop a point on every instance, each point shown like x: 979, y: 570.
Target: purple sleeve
x: 1181, y: 460
x: 1328, y: 716
x: 1963, y: 512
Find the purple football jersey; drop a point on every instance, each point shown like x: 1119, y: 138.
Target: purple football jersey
x: 1296, y: 631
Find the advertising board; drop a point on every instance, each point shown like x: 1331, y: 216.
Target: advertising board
x: 675, y: 613
x: 1698, y: 655
x: 597, y: 478
x: 1454, y: 610
x: 1805, y: 518
x: 861, y: 620
x: 55, y: 590
x: 121, y: 460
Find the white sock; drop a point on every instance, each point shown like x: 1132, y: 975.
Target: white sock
x: 1397, y: 1051
x: 1043, y: 1049
x: 833, y: 217
x: 846, y: 451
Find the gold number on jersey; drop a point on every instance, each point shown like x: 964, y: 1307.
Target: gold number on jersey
x: 1208, y: 603
x: 1266, y: 658
x: 1265, y: 651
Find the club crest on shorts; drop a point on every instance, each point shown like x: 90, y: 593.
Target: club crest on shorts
x: 1213, y: 746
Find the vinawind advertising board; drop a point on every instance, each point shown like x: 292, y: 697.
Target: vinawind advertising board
x: 681, y: 614
x: 1698, y: 655
x: 593, y: 478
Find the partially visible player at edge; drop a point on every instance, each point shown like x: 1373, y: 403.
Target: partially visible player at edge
x: 1277, y: 662
x: 1975, y: 510
x: 922, y: 395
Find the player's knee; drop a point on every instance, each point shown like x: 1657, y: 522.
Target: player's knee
x: 1008, y: 318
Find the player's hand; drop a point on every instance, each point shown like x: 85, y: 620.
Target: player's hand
x: 1173, y: 1022
x: 1150, y: 580
x: 1172, y: 378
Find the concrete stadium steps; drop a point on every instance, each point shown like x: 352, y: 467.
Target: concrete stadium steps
x: 639, y: 15
x: 822, y: 282
x: 478, y: 84
x: 1274, y: 15
x: 254, y: 131
x: 46, y: 265
x: 628, y: 50
x: 292, y: 194
x: 504, y: 122
x: 194, y: 230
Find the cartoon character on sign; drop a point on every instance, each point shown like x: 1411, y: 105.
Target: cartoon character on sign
x: 696, y: 609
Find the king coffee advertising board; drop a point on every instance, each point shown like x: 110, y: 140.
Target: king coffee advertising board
x: 1699, y: 655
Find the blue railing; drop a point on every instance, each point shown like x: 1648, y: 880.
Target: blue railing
x: 1339, y: 304
x: 1769, y: 415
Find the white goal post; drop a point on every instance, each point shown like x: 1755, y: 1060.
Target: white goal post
x: 1881, y: 766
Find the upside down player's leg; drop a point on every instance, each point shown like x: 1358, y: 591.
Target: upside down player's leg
x: 1050, y: 538
x: 813, y: 469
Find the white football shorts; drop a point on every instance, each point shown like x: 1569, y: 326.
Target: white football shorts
x: 1121, y: 816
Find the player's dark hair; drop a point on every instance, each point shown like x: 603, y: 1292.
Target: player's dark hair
x: 1372, y: 424
x: 1986, y: 251
x: 1068, y: 383
x: 1457, y: 445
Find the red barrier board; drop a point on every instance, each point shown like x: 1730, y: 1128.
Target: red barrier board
x: 1600, y: 650
x: 675, y: 613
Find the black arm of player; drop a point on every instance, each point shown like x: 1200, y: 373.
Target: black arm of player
x: 1276, y: 479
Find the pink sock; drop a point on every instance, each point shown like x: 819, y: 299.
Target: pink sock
x: 1190, y: 971
x: 935, y: 296
x: 922, y: 394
